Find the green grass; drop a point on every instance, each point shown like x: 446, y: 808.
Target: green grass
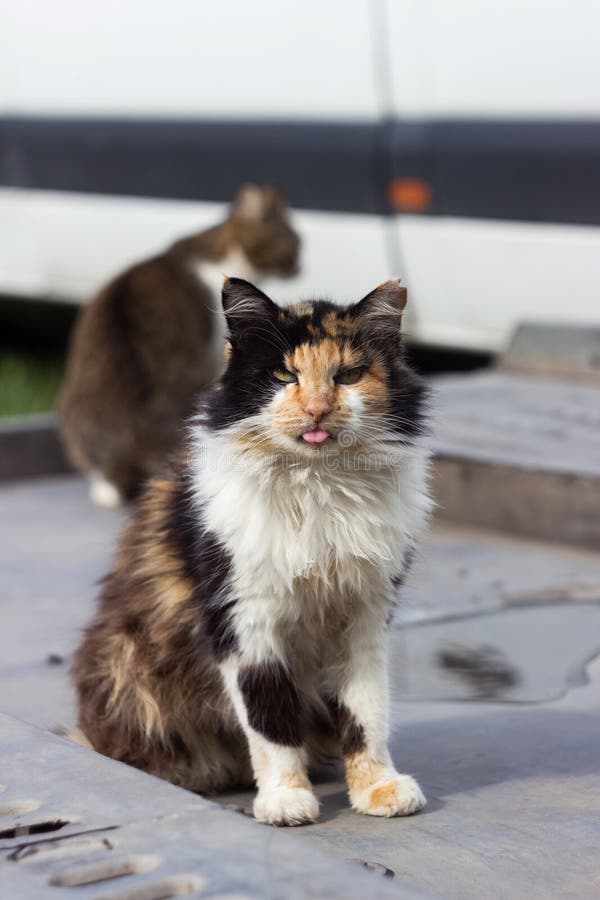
x: 28, y: 383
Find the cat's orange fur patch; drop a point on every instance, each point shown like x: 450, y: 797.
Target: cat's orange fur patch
x: 256, y: 444
x: 123, y: 667
x: 319, y: 361
x: 362, y: 771
x: 314, y: 361
x: 336, y: 324
x: 301, y: 309
x: 384, y: 795
x: 260, y: 760
x: 372, y: 389
x: 295, y: 780
x: 171, y: 595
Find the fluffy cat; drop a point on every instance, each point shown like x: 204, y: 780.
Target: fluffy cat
x: 153, y: 338
x: 243, y: 626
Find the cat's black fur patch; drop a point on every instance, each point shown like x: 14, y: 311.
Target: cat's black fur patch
x: 350, y: 732
x: 178, y: 746
x: 408, y: 398
x: 218, y: 618
x: 207, y: 563
x: 272, y: 702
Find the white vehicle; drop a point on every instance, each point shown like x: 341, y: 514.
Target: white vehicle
x: 456, y: 144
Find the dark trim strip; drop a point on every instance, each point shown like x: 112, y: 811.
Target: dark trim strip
x: 536, y: 171
x: 525, y: 170
x: 318, y: 166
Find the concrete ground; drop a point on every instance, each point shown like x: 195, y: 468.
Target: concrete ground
x: 520, y: 451
x: 496, y: 702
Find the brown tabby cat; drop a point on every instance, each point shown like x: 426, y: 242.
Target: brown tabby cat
x: 245, y: 620
x: 152, y: 339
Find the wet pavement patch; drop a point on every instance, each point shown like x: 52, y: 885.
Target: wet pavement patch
x: 519, y: 654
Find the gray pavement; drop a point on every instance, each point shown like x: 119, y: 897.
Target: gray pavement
x: 496, y: 710
x: 109, y: 832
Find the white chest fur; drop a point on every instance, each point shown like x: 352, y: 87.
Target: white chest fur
x: 312, y: 529
x: 235, y: 264
x: 212, y: 275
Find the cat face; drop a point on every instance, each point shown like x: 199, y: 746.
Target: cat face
x: 316, y: 376
x: 259, y: 220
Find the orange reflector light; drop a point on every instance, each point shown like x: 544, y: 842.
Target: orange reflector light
x: 411, y: 195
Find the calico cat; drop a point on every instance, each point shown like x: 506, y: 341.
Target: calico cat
x: 242, y: 629
x: 154, y: 337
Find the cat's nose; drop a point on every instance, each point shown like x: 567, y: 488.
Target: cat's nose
x: 318, y: 407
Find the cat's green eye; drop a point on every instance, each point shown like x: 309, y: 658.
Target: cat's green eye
x: 349, y: 376
x: 285, y: 376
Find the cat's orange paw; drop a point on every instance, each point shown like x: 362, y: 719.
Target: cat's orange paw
x: 398, y: 795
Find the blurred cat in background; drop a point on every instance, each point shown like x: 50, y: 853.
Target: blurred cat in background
x: 153, y: 339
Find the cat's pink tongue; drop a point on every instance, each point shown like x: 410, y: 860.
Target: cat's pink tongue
x: 316, y: 436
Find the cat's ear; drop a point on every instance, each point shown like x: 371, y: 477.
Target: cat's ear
x: 246, y: 307
x: 249, y: 204
x: 255, y: 204
x: 382, y: 308
x: 275, y: 202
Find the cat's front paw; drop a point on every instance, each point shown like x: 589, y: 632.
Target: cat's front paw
x: 397, y: 795
x: 286, y: 806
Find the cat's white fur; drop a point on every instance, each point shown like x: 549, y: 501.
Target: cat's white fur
x: 104, y: 493
x: 294, y: 521
x: 234, y: 264
x: 314, y: 546
x: 212, y: 275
